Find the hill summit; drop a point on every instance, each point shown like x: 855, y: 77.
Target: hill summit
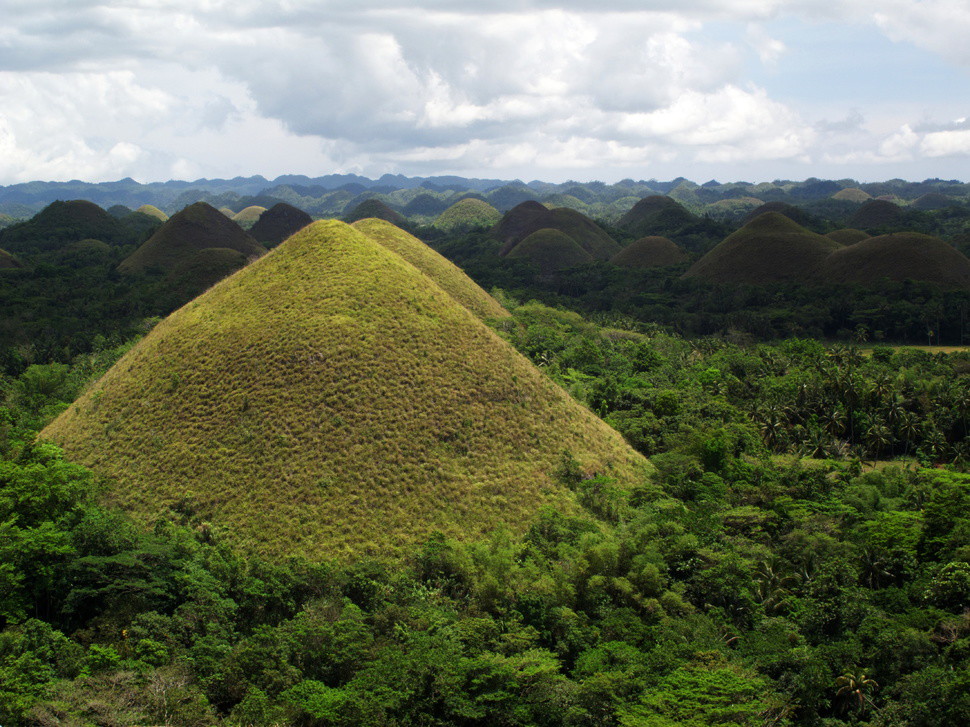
x: 197, y: 227
x: 655, y: 215
x: 61, y: 223
x: 468, y: 213
x: 649, y: 252
x: 899, y: 256
x: 279, y: 222
x: 768, y: 249
x: 331, y: 399
x: 529, y: 217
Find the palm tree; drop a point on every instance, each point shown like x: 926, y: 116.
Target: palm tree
x: 853, y: 690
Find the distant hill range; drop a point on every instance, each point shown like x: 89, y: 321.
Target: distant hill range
x: 424, y: 198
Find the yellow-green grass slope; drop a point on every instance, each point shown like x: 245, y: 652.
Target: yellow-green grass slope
x: 197, y: 227
x: 899, y: 256
x: 768, y: 249
x: 550, y: 251
x: 152, y: 211
x: 649, y: 252
x: 331, y: 400
x: 247, y: 216
x: 436, y: 266
x: 468, y: 213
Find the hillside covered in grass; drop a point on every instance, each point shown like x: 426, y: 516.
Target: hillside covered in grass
x: 197, y: 227
x: 331, y: 399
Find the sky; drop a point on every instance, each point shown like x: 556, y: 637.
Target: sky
x: 731, y: 90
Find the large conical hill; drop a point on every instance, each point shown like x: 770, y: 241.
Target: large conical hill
x: 655, y: 215
x: 875, y: 213
x: 529, y: 217
x: 649, y: 252
x: 551, y: 251
x: 848, y: 236
x: 795, y: 214
x: 468, y: 213
x: 331, y: 400
x: 247, y: 216
x: 899, y: 256
x: 153, y: 211
x: 436, y: 266
x: 768, y: 249
x: 279, y: 222
x: 197, y: 227
x: 60, y: 223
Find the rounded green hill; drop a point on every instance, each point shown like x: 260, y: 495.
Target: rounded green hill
x: 852, y: 194
x: 875, y: 213
x: 899, y: 256
x: 61, y: 223
x: 795, y: 214
x: 551, y: 251
x: 848, y: 236
x: 377, y: 209
x: 770, y: 248
x: 279, y: 222
x: 933, y: 201
x: 194, y: 228
x: 468, y: 213
x: 520, y: 222
x: 649, y: 252
x: 655, y: 215
x: 247, y: 216
x: 436, y: 266
x: 331, y: 400
x: 152, y: 211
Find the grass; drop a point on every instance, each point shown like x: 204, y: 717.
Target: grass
x: 152, y: 211
x: 649, y: 252
x: 60, y: 223
x: 332, y: 400
x: 852, y: 194
x: 551, y: 251
x: 202, y: 270
x: 247, y: 216
x: 529, y: 217
x: 197, y: 227
x: 875, y: 213
x: 899, y: 256
x: 653, y: 213
x: 440, y: 269
x: 848, y: 236
x: 468, y: 213
x: 377, y: 209
x: 770, y: 248
x: 279, y: 222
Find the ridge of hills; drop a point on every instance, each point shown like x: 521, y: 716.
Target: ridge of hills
x: 279, y: 222
x: 899, y: 256
x: 440, y: 269
x: 329, y: 399
x: 530, y: 216
x: 197, y: 227
x: 649, y: 252
x: 770, y: 248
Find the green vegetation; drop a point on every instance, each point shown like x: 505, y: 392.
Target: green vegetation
x: 467, y: 214
x: 8, y: 261
x: 247, y: 216
x: 848, y: 236
x: 375, y: 208
x: 278, y: 223
x: 852, y: 194
x: 550, y: 251
x: 770, y: 248
x: 649, y: 252
x: 197, y: 227
x: 655, y: 215
x: 331, y: 399
x: 899, y: 256
x: 153, y: 211
x: 60, y: 223
x: 530, y: 217
x: 875, y: 214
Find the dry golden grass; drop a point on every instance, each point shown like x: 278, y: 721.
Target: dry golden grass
x: 152, y: 211
x: 248, y: 215
x: 330, y: 399
x: 436, y: 266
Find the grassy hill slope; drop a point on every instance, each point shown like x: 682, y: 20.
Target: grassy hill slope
x: 655, y: 215
x: 848, y: 236
x: 8, y: 261
x: 197, y: 227
x: 436, y: 266
x: 152, y: 211
x: 529, y: 217
x: 900, y: 256
x: 331, y: 400
x: 468, y: 213
x: 550, y: 250
x: 770, y: 248
x: 279, y: 222
x: 377, y: 209
x: 60, y: 223
x: 649, y: 252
